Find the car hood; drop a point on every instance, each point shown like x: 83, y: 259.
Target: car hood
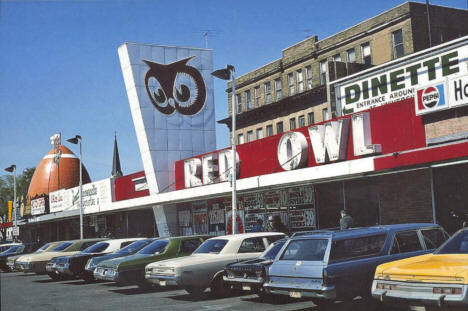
x: 127, y: 260
x: 99, y: 259
x: 428, y: 268
x: 194, y: 259
x: 45, y: 256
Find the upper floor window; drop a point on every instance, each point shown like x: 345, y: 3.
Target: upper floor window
x: 267, y: 93
x: 351, y: 56
x: 278, y: 89
x: 366, y: 54
x: 279, y: 127
x: 248, y: 100
x: 250, y: 136
x: 240, y: 139
x: 300, y: 81
x: 256, y: 96
x: 239, y: 103
x: 260, y: 133
x: 292, y: 123
x: 269, y: 130
x: 291, y: 83
x: 310, y: 118
x: 397, y: 43
x: 337, y: 58
x: 323, y: 71
x: 301, y: 121
x: 309, y: 77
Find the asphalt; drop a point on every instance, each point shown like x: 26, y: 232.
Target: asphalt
x: 24, y: 292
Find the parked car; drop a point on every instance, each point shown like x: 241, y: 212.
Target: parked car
x: 14, y: 251
x: 250, y: 275
x: 12, y: 260
x: 126, y: 251
x: 340, y: 265
x: 131, y: 269
x: 205, y: 267
x: 438, y: 279
x: 6, y: 246
x: 74, y: 265
x: 37, y: 262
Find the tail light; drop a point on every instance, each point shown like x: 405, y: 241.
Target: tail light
x: 447, y: 290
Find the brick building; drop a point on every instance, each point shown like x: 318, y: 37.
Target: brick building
x: 291, y: 92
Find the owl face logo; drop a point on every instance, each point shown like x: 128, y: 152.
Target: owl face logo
x: 175, y: 87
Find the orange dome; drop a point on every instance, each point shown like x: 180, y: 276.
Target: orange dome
x: 47, y: 174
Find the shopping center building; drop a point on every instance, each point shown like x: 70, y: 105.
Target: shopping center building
x: 395, y: 152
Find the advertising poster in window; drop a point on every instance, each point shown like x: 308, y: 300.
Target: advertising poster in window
x: 216, y: 218
x: 240, y: 226
x: 200, y: 217
x: 185, y: 219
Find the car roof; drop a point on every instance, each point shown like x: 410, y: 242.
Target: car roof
x: 247, y: 235
x: 355, y: 232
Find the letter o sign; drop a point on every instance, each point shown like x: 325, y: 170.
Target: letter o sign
x: 292, y: 151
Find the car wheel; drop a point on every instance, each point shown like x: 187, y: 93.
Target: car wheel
x: 195, y: 291
x: 145, y: 286
x: 218, y: 287
x: 88, y: 278
x: 54, y: 276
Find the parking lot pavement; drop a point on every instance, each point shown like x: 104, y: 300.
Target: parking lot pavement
x: 38, y: 292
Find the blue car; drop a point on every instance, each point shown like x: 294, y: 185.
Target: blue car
x: 339, y: 265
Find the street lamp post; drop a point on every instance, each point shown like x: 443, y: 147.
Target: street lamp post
x: 12, y: 169
x: 75, y: 140
x: 226, y: 74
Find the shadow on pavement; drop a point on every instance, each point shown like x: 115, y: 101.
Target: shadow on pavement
x: 46, y: 281
x: 137, y: 290
x: 355, y: 305
x: 206, y: 296
x: 273, y: 300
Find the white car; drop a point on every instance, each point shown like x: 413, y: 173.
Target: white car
x: 205, y: 267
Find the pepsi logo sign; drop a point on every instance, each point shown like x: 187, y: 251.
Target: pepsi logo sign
x: 430, y: 98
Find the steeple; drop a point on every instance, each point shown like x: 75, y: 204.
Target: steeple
x: 116, y: 170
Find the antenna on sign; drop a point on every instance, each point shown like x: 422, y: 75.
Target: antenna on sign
x: 205, y: 34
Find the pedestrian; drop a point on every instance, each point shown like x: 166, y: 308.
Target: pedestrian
x: 276, y: 225
x: 346, y: 221
x: 258, y: 227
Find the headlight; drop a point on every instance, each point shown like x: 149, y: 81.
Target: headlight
x: 230, y: 274
x: 259, y: 274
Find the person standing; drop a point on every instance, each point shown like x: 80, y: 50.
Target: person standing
x: 258, y: 227
x: 346, y: 221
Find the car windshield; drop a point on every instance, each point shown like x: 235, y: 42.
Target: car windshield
x: 61, y: 246
x: 305, y: 249
x: 44, y: 247
x: 457, y: 244
x: 273, y: 250
x: 157, y: 247
x: 96, y: 248
x: 211, y: 246
x: 134, y: 247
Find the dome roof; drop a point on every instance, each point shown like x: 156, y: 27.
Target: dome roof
x: 47, y: 174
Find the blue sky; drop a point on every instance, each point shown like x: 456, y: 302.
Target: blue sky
x: 60, y: 72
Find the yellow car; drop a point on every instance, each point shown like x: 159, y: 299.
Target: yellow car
x: 434, y: 280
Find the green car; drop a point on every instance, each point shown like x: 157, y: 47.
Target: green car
x: 131, y: 269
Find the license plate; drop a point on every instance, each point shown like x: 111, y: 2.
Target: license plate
x: 162, y: 283
x: 246, y: 287
x: 295, y: 294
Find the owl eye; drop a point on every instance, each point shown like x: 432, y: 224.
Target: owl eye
x: 156, y: 91
x: 185, y: 89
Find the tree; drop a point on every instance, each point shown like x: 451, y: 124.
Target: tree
x: 6, y: 192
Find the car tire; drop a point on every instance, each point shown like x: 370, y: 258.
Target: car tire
x: 218, y: 287
x: 54, y: 276
x: 88, y: 278
x: 195, y: 291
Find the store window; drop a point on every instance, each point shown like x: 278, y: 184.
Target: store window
x: 248, y: 100
x: 250, y: 136
x: 240, y: 139
x: 309, y: 77
x: 269, y: 130
x: 239, y: 103
x: 259, y: 133
x: 366, y: 54
x: 310, y: 118
x: 292, y: 123
x: 351, y: 56
x: 397, y: 44
x: 301, y: 121
x: 337, y: 58
x: 323, y: 71
x: 279, y: 127
x: 257, y: 97
x: 300, y: 81
x: 278, y: 89
x: 267, y: 93
x: 291, y: 83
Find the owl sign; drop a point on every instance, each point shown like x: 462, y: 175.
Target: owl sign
x: 175, y: 87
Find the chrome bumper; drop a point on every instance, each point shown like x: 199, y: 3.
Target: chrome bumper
x: 107, y: 274
x: 420, y: 293
x: 24, y: 266
x: 64, y: 268
x: 324, y: 292
x: 162, y: 279
x: 254, y: 282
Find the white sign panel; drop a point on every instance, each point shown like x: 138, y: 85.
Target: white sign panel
x: 94, y: 194
x: 424, y: 79
x: 458, y: 91
x: 60, y: 200
x: 170, y: 91
x: 38, y: 206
